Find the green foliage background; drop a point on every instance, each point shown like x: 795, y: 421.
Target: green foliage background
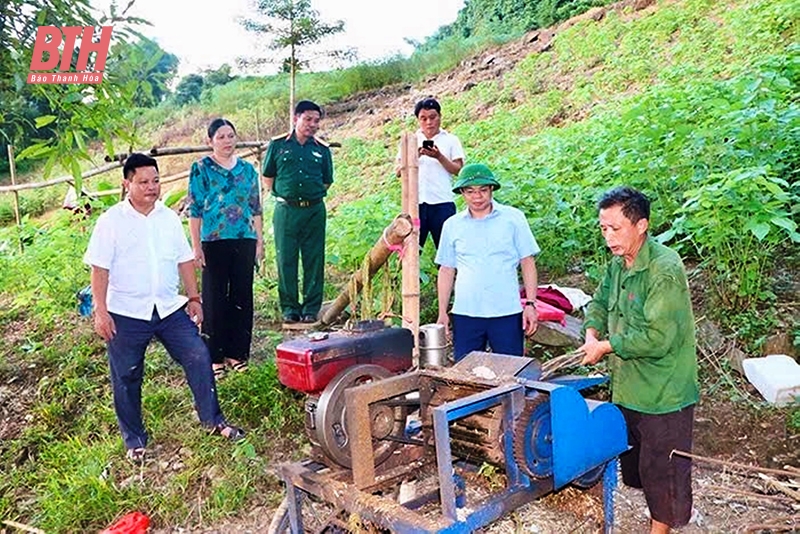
x: 508, y: 17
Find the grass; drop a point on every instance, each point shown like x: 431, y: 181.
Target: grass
x: 65, y: 471
x: 73, y: 476
x: 676, y: 102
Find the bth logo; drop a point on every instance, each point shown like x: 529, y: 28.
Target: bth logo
x: 68, y: 35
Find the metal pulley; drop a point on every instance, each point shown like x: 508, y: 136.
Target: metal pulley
x: 326, y: 417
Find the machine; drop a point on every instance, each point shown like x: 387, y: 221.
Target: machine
x: 376, y: 426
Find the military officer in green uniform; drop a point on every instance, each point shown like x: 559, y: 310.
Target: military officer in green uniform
x: 298, y: 170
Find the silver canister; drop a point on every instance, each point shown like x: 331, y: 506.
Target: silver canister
x: 432, y: 346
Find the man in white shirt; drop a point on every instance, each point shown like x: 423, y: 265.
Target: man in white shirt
x: 138, y: 252
x: 441, y: 157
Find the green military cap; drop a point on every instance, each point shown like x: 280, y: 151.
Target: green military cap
x: 475, y: 174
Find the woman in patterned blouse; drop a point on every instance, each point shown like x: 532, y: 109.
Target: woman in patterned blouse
x: 225, y: 224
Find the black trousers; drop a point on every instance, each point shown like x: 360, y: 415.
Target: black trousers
x: 228, y: 297
x: 665, y: 478
x: 431, y: 220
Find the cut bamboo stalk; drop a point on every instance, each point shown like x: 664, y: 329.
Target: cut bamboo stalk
x: 409, y: 159
x: 393, y: 235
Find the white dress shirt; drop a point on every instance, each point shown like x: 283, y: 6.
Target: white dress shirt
x: 435, y: 183
x: 141, y: 253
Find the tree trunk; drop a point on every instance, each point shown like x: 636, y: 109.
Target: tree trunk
x: 393, y: 235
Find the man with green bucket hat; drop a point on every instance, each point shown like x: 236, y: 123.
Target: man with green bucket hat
x: 479, y: 254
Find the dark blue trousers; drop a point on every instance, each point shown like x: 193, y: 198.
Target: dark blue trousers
x: 181, y: 338
x: 431, y: 220
x: 503, y: 334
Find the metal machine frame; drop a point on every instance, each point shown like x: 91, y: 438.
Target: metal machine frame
x: 354, y: 490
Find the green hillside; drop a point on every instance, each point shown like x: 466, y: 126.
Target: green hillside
x: 693, y: 101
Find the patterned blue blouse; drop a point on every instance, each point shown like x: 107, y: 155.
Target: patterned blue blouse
x: 226, y: 200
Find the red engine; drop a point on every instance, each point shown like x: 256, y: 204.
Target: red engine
x: 308, y: 364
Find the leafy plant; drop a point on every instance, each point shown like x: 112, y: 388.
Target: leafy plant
x: 794, y: 420
x: 735, y: 222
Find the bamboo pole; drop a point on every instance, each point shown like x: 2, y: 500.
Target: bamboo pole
x: 60, y: 180
x: 167, y: 151
x: 13, y: 168
x: 155, y: 152
x: 165, y: 180
x: 409, y: 159
x: 394, y: 234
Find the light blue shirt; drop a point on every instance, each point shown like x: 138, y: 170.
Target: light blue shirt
x: 486, y: 254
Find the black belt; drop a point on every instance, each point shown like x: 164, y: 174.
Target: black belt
x: 299, y: 203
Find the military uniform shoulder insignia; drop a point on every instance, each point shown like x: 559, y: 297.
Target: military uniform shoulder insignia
x: 321, y: 142
x: 283, y: 136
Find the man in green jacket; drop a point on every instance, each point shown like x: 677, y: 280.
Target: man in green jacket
x: 298, y: 170
x: 641, y: 317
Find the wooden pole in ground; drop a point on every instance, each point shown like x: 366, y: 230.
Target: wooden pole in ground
x: 409, y: 159
x: 393, y: 236
x: 260, y: 269
x: 13, y: 167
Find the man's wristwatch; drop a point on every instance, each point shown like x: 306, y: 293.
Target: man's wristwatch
x: 196, y: 299
x: 530, y: 303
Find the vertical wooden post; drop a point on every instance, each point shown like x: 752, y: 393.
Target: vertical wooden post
x: 409, y: 159
x: 12, y: 166
x: 260, y: 268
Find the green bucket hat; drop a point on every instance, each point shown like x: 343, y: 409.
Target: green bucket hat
x: 475, y: 174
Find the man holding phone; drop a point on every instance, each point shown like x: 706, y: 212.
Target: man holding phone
x: 441, y: 158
